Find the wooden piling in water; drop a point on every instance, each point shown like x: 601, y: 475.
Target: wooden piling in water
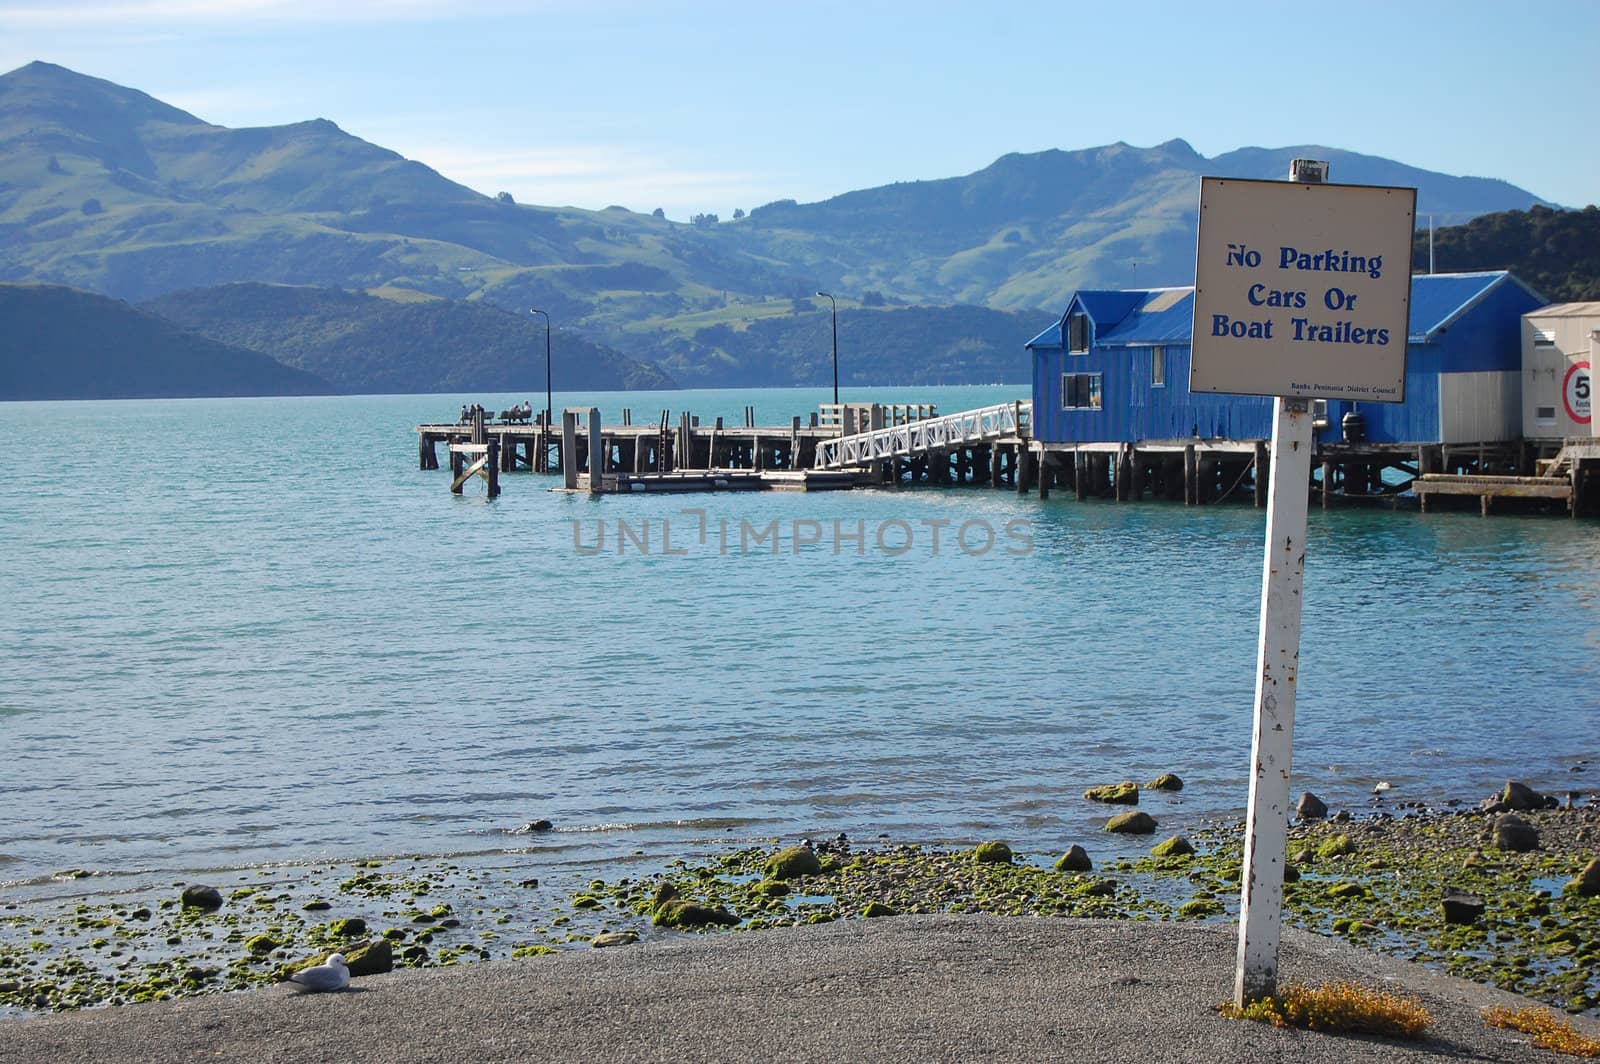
x: 597, y: 454
x: 569, y: 449
x: 1260, y: 473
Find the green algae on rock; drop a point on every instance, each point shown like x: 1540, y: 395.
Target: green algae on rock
x: 1124, y: 793
x: 261, y: 945
x: 1176, y: 846
x: 1586, y: 884
x: 792, y: 863
x: 994, y: 852
x: 687, y: 914
x: 1165, y: 782
x: 614, y: 938
x: 1341, y: 845
x: 1075, y: 859
x: 1134, y: 823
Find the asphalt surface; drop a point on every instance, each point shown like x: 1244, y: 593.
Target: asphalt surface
x: 940, y: 988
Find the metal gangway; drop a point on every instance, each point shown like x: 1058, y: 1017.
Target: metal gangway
x: 928, y: 435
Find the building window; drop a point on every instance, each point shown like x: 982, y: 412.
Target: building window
x: 1544, y: 415
x: 1158, y: 367
x: 1080, y: 391
x: 1078, y: 334
x: 1543, y: 337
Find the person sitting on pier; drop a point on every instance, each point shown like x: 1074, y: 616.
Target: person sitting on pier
x: 465, y: 413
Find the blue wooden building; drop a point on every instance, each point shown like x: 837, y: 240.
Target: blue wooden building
x: 1115, y: 369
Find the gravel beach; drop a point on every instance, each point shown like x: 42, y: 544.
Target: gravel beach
x: 914, y: 987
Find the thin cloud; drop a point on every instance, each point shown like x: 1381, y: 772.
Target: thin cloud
x: 596, y: 176
x: 70, y: 15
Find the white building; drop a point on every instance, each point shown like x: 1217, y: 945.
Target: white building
x: 1559, y: 346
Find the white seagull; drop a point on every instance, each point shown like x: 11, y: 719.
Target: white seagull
x: 331, y: 974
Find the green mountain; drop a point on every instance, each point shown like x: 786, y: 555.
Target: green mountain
x: 793, y: 345
x: 60, y: 343
x: 1558, y: 252
x: 1029, y: 229
x: 395, y: 341
x: 106, y: 188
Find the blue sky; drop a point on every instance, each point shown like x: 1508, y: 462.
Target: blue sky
x: 712, y: 106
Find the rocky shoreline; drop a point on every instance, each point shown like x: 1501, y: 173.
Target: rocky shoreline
x: 1522, y: 919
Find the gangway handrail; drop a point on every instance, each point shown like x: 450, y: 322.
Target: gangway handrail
x: 982, y: 425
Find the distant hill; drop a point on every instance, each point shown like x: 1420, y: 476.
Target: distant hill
x: 59, y: 343
x: 106, y: 188
x: 891, y: 345
x: 1029, y: 229
x: 1558, y: 252
x: 401, y: 342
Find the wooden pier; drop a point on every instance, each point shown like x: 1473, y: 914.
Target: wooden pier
x: 667, y: 455
x: 1568, y: 480
x: 864, y: 444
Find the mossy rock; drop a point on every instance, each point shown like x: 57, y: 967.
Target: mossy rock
x: 1348, y: 890
x: 586, y: 901
x: 1587, y: 882
x: 261, y: 945
x: 992, y: 853
x: 531, y: 950
x: 614, y: 938
x: 349, y: 927
x: 1177, y: 846
x: 1124, y: 793
x: 1165, y: 782
x: 878, y: 908
x: 1076, y: 859
x: 1200, y: 909
x: 792, y: 863
x: 688, y: 914
x: 1134, y: 823
x: 772, y: 888
x: 364, y: 958
x: 1337, y: 846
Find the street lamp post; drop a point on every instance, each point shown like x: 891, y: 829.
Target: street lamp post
x: 835, y: 346
x: 546, y: 367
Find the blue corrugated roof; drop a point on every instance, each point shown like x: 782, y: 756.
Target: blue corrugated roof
x: 1163, y: 316
x: 1106, y: 308
x: 1051, y: 337
x: 1438, y: 299
x: 1135, y: 317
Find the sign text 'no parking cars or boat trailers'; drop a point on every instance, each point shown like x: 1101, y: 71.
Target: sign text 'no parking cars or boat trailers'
x: 1302, y: 290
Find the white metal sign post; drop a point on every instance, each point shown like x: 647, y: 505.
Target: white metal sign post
x: 1301, y: 291
x: 1266, y: 836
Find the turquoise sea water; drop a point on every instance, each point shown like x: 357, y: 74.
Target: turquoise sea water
x: 246, y: 631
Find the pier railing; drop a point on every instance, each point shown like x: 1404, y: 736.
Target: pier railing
x: 985, y: 424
